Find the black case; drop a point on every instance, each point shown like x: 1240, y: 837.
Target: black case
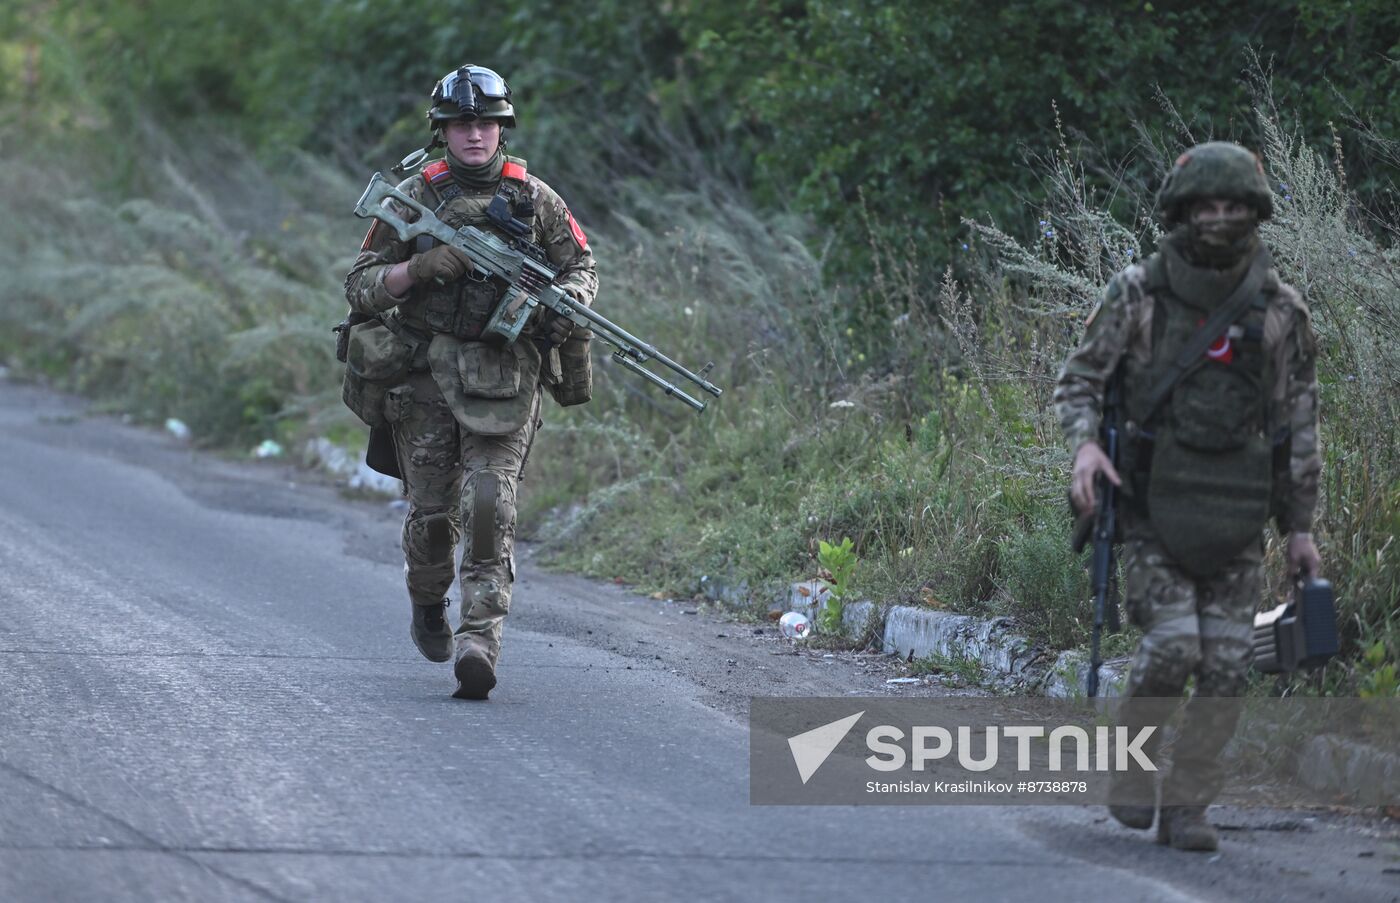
x: 1297, y: 634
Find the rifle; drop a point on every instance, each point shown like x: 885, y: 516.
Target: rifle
x: 529, y: 278
x: 1102, y: 527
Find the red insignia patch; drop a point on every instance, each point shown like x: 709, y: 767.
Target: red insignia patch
x: 436, y: 172
x: 578, y: 233
x: 512, y: 170
x: 369, y: 236
x: 1221, y: 350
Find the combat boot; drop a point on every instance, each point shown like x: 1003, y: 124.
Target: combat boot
x: 431, y: 633
x: 1186, y: 828
x: 476, y: 673
x: 1128, y: 800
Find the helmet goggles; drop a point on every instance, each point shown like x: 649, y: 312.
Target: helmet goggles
x: 471, y: 88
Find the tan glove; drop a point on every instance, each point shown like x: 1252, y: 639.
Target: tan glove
x: 557, y: 329
x: 443, y: 263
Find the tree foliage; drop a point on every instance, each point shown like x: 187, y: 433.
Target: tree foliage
x: 901, y: 118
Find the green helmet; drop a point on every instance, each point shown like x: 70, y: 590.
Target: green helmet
x: 1217, y: 169
x: 471, y: 92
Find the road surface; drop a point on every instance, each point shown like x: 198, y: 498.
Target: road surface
x: 209, y: 693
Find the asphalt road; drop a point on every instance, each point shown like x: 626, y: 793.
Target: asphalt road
x: 207, y: 692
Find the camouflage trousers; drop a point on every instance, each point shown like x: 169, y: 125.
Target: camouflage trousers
x: 461, y: 489
x: 1191, y: 627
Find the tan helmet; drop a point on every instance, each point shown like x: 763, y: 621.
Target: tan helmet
x: 471, y: 92
x: 1217, y: 169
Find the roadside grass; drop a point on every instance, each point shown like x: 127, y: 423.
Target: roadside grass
x: 966, y: 671
x: 171, y: 304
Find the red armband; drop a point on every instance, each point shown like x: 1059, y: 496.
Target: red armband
x: 578, y: 233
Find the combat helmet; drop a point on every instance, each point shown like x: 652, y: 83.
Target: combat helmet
x: 471, y: 92
x: 1217, y: 169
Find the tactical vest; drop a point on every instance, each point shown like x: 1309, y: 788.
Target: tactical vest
x: 1204, y: 457
x: 462, y: 308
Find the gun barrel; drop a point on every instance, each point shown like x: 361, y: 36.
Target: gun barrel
x: 668, y: 387
x: 639, y: 352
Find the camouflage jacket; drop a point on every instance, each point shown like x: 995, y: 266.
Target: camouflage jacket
x: 1121, y: 326
x: 555, y: 230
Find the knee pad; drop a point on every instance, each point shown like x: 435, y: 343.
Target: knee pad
x: 485, y: 536
x: 430, y: 534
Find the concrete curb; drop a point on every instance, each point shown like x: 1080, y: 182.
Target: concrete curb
x: 810, y: 596
x: 1009, y: 660
x: 1336, y: 764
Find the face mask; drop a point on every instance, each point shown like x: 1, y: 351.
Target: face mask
x: 1223, y: 242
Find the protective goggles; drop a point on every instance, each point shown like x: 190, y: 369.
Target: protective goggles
x: 463, y: 86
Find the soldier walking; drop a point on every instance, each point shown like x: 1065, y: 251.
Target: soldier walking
x: 1213, y: 443
x: 461, y: 412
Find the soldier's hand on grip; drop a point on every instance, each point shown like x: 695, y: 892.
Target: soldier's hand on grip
x: 1089, y: 462
x: 558, y: 329
x: 443, y: 263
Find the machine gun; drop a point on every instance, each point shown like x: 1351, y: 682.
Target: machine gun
x: 530, y: 285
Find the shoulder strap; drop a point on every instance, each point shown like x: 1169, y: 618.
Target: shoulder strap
x: 430, y: 199
x: 1233, y: 307
x: 437, y: 188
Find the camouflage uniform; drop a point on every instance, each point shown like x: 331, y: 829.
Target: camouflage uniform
x: 450, y: 474
x: 1195, y: 621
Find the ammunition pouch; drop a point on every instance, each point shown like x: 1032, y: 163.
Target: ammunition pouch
x: 488, y: 371
x: 342, y: 333
x: 376, y: 360
x: 1214, y: 408
x: 489, y: 388
x: 570, y: 369
x: 1208, y: 506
